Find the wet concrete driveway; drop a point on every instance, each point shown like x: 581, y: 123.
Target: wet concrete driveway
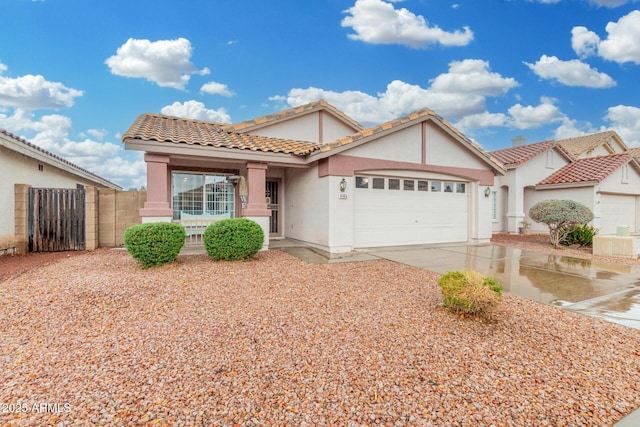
x: 608, y: 291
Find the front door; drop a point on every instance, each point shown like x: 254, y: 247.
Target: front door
x: 273, y: 203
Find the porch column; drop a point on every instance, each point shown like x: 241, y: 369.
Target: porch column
x: 256, y: 209
x: 157, y: 207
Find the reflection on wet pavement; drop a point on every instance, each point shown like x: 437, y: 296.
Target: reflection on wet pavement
x: 605, y: 290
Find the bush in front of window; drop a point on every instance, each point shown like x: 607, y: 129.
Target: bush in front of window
x: 469, y: 292
x: 154, y: 243
x: 233, y: 239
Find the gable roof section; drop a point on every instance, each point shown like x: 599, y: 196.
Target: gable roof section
x: 161, y: 128
x: 590, y: 170
x: 15, y: 143
x: 635, y: 152
x: 515, y: 156
x: 375, y: 132
x: 582, y: 144
x: 301, y: 110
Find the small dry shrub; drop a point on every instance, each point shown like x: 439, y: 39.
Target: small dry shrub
x: 470, y: 292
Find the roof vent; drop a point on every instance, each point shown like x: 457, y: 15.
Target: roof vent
x: 519, y: 141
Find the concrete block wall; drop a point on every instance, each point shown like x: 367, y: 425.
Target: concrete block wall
x: 118, y: 210
x: 91, y: 218
x: 21, y: 217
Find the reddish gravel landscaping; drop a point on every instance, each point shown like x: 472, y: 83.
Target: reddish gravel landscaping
x: 93, y: 340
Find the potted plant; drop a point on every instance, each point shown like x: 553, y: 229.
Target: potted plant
x: 524, y: 227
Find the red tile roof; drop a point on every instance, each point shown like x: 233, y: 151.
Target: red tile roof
x: 157, y: 127
x: 588, y: 170
x: 582, y: 144
x: 292, y: 112
x: 514, y: 156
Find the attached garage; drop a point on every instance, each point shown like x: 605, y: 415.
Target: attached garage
x: 393, y: 211
x: 618, y: 209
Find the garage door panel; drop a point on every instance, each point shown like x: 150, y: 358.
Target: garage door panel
x: 398, y: 217
x: 617, y: 210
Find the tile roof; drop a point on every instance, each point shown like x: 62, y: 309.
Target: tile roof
x: 292, y: 112
x: 588, y: 170
x: 514, y: 156
x: 425, y: 112
x: 635, y: 151
x: 582, y: 144
x: 58, y: 158
x: 161, y: 128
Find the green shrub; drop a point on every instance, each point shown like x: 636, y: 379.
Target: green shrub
x: 233, y: 239
x: 154, y: 243
x: 470, y: 292
x: 579, y: 235
x: 559, y: 215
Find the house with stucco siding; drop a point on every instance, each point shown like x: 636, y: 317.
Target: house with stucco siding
x: 22, y: 162
x: 313, y: 174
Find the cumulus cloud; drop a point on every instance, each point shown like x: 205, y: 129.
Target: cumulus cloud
x: 621, y: 45
x: 34, y: 92
x: 625, y: 120
x: 53, y: 133
x: 379, y: 22
x: 528, y: 117
x: 460, y: 92
x: 570, y: 73
x: 97, y: 133
x: 165, y: 62
x: 609, y: 3
x: 196, y: 110
x: 215, y: 88
x: 482, y: 120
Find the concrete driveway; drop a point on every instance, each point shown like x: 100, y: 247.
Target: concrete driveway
x: 608, y: 291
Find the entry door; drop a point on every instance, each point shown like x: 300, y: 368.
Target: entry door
x: 272, y: 193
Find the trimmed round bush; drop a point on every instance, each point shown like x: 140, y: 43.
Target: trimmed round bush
x: 154, y: 243
x: 470, y: 292
x: 233, y: 239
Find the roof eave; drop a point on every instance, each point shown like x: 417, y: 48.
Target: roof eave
x: 197, y: 150
x: 561, y: 185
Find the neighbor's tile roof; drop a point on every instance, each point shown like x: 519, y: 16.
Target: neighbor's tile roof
x: 292, y: 112
x: 590, y: 169
x: 514, y: 156
x: 634, y: 151
x: 425, y: 112
x: 581, y: 144
x: 157, y: 127
x: 56, y: 157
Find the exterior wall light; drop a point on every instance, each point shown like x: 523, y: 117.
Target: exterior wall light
x: 487, y: 192
x: 343, y: 185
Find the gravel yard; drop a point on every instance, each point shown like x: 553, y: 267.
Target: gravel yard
x: 93, y: 340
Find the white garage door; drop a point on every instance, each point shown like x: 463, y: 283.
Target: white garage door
x: 617, y: 210
x: 398, y: 211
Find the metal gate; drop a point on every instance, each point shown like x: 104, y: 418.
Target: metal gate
x: 56, y: 219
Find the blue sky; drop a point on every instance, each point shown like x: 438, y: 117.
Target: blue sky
x: 74, y: 74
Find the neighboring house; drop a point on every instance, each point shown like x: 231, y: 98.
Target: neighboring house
x: 315, y: 175
x: 526, y: 165
x: 596, y: 170
x: 24, y: 163
x: 597, y: 144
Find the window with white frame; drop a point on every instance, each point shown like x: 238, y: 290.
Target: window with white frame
x: 202, y: 194
x: 494, y: 205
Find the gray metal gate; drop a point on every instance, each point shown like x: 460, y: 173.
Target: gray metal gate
x: 56, y: 219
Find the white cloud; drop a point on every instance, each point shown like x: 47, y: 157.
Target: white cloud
x: 622, y: 44
x: 196, y: 110
x: 584, y: 42
x: 97, y: 133
x: 528, y: 117
x: 379, y: 22
x: 482, y: 120
x: 53, y: 133
x: 164, y: 62
x: 34, y: 92
x: 570, y: 73
x: 460, y: 92
x: 625, y: 120
x: 215, y: 88
x: 609, y: 3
